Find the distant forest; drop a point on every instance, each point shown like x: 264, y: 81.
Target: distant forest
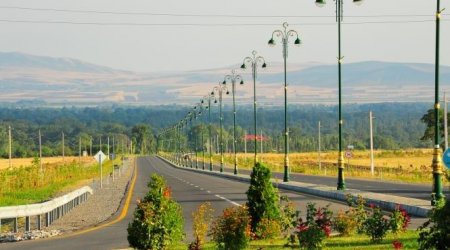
x: 396, y: 126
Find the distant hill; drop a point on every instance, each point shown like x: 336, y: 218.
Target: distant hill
x: 26, y: 77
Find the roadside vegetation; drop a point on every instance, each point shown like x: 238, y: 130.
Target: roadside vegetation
x: 28, y: 184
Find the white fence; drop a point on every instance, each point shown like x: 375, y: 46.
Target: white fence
x: 52, y: 210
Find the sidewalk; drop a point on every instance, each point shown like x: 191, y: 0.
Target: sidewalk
x: 416, y: 207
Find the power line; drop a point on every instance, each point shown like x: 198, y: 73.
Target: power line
x: 201, y: 15
x: 206, y: 24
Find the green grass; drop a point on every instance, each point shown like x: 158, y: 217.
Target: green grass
x: 26, y: 185
x: 409, y: 240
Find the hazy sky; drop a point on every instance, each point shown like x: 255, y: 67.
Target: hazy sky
x: 387, y: 30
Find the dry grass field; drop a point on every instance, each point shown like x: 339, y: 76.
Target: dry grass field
x: 24, y: 162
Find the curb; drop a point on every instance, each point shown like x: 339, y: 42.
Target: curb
x: 415, y: 207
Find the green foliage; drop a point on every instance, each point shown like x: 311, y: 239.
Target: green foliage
x: 345, y: 223
x: 357, y: 211
x: 435, y: 233
x: 288, y: 215
x: 268, y: 229
x: 262, y: 197
x: 201, y: 220
x: 399, y: 221
x: 232, y: 229
x: 316, y: 228
x: 158, y: 220
x: 376, y: 225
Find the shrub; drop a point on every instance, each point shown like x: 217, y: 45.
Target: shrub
x: 357, y: 211
x: 399, y: 220
x: 268, y: 229
x: 201, y: 220
x: 263, y: 199
x: 232, y: 229
x: 376, y: 225
x: 316, y: 228
x: 158, y: 221
x: 288, y: 215
x: 435, y: 233
x: 345, y: 223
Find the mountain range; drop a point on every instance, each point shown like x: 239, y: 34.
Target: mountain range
x: 67, y: 81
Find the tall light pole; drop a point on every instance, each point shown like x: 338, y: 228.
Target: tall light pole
x: 285, y: 34
x: 10, y: 146
x: 219, y: 90
x: 445, y: 122
x: 209, y: 98
x: 254, y: 61
x: 437, y: 194
x: 339, y: 17
x: 233, y: 78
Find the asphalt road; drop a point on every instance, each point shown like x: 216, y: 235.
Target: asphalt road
x: 188, y: 188
x: 418, y: 191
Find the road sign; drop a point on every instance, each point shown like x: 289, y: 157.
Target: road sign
x: 446, y: 158
x: 348, y: 154
x: 100, y: 157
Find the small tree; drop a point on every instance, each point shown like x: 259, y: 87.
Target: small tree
x: 232, y: 229
x: 435, y: 233
x: 263, y: 198
x: 201, y: 220
x: 158, y: 221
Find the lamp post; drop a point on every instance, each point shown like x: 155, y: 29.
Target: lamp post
x: 437, y: 194
x: 254, y: 62
x: 219, y: 90
x: 208, y: 98
x: 233, y: 78
x: 339, y: 17
x: 285, y: 34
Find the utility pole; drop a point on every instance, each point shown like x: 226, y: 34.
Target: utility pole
x: 90, y: 147
x: 10, y: 146
x: 372, y: 164
x: 79, y: 152
x: 245, y: 143
x: 63, y: 146
x: 445, y: 122
x: 40, y: 150
x: 100, y: 143
x: 261, y: 143
x: 319, y: 149
x: 108, y: 149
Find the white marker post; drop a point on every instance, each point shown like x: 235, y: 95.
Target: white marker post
x: 100, y: 157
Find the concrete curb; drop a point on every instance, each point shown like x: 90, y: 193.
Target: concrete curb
x: 415, y: 207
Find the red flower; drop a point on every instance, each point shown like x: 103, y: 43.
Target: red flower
x: 397, y: 244
x: 372, y: 205
x: 166, y: 192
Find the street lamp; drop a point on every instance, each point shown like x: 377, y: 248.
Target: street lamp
x: 339, y: 17
x: 208, y: 98
x: 219, y: 90
x: 285, y: 34
x: 437, y: 194
x: 254, y: 62
x: 233, y: 78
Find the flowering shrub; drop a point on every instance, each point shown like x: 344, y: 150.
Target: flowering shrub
x: 158, y: 221
x: 400, y: 220
x: 376, y: 225
x: 316, y: 228
x: 268, y: 229
x: 345, y: 222
x: 288, y: 215
x: 232, y: 230
x: 357, y: 211
x: 201, y: 220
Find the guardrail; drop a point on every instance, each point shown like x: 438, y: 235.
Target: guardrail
x: 51, y: 210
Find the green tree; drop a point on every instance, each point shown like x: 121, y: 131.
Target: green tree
x: 263, y: 198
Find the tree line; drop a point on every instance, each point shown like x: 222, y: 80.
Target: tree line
x: 396, y: 126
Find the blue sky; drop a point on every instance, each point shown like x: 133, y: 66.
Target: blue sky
x: 385, y: 30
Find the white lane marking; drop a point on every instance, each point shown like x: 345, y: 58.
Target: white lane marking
x: 208, y: 191
x: 196, y: 186
x: 230, y: 201
x: 201, y: 189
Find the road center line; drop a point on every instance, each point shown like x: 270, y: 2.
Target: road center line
x: 230, y: 201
